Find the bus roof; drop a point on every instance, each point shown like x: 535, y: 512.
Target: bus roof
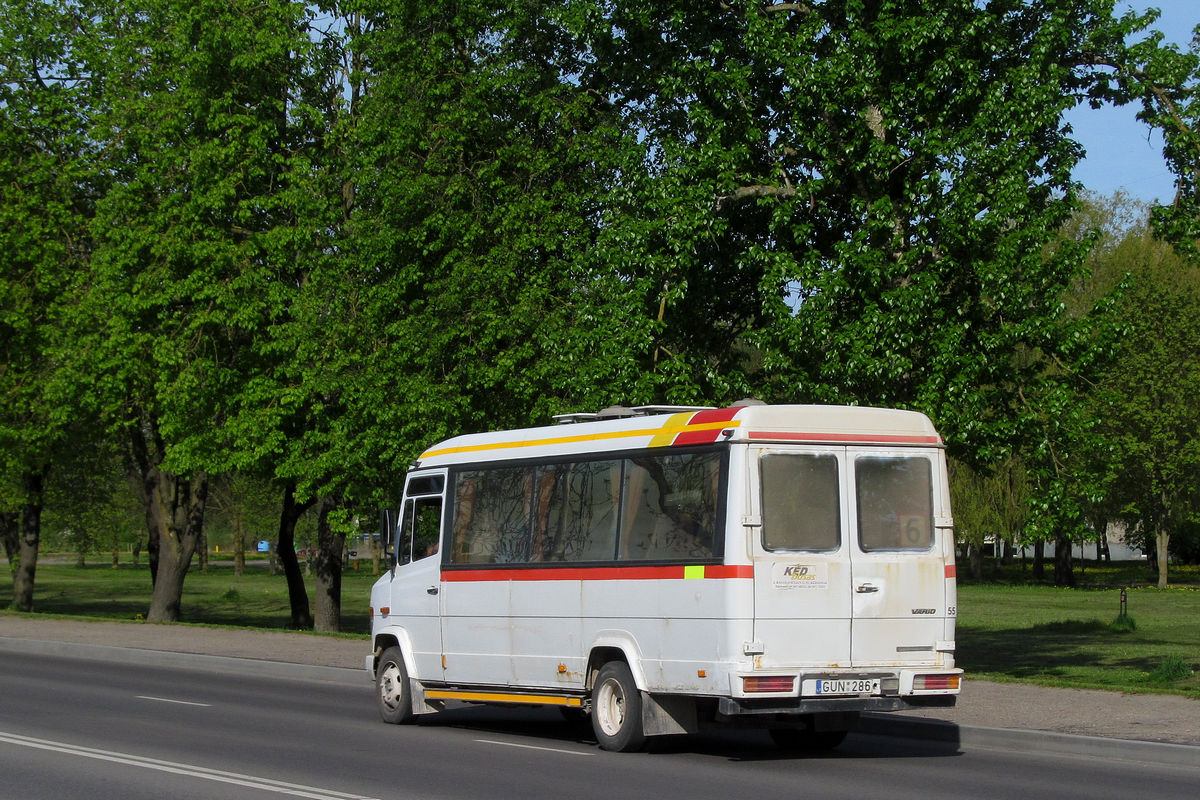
x: 845, y: 425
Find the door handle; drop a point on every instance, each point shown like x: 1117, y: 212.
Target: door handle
x: 431, y: 590
x: 866, y: 588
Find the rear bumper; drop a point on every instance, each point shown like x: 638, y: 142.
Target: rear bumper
x: 741, y: 706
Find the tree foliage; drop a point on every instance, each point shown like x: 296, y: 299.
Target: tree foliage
x: 48, y: 188
x: 299, y: 242
x: 1150, y: 401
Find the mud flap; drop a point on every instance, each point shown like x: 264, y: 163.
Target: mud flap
x: 420, y: 704
x: 664, y: 714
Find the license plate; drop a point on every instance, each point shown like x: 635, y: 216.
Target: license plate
x: 841, y: 686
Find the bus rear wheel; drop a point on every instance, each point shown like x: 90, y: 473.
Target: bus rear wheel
x: 391, y: 688
x: 617, y: 709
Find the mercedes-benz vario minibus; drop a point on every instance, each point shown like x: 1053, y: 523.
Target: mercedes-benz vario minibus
x: 786, y: 567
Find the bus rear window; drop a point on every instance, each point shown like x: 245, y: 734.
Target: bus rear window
x: 800, y: 502
x: 895, y: 503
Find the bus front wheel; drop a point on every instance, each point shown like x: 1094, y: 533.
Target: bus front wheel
x: 391, y: 687
x: 617, y: 709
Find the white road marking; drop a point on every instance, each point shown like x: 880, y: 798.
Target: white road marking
x: 535, y: 747
x: 177, y: 702
x: 250, y: 781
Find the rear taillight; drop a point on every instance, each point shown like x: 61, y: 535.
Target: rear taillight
x: 768, y: 683
x: 932, y: 682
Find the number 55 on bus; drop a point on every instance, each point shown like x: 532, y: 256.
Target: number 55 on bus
x: 660, y: 569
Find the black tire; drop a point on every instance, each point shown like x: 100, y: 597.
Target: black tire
x: 617, y: 709
x: 799, y: 740
x: 391, y: 688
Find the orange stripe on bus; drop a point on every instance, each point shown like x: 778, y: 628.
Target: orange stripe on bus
x: 706, y: 426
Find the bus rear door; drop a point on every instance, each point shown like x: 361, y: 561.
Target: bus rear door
x: 849, y: 569
x: 802, y: 570
x: 898, y: 557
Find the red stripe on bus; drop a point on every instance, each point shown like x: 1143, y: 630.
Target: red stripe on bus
x: 702, y: 418
x: 879, y: 438
x: 729, y: 571
x: 639, y: 573
x: 951, y: 571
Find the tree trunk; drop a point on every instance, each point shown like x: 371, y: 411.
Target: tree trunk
x: 152, y: 528
x: 202, y: 551
x: 285, y: 551
x: 9, y: 527
x: 1162, y: 538
x: 975, y: 560
x: 27, y: 541
x: 239, y: 543
x: 1064, y: 572
x: 331, y: 546
x: 182, y: 503
x: 1039, y: 560
x: 174, y: 507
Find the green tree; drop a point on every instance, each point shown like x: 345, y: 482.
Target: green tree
x: 992, y: 504
x: 196, y: 135
x: 47, y: 191
x: 1165, y: 82
x: 248, y: 504
x: 1150, y: 401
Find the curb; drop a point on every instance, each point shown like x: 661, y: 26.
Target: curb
x: 932, y: 732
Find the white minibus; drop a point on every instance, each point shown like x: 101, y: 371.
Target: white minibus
x: 662, y: 568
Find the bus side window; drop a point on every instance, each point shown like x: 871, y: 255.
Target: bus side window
x: 404, y: 534
x: 670, y: 507
x: 427, y: 526
x: 492, y: 516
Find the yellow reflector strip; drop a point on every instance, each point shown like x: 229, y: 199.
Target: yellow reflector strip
x: 503, y: 697
x: 692, y: 573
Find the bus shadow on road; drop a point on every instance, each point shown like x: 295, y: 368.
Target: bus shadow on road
x: 548, y: 727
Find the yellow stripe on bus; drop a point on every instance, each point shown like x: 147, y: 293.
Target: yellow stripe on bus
x: 661, y: 437
x: 500, y: 697
x: 673, y: 426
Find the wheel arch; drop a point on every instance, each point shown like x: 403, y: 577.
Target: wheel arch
x: 615, y: 646
x: 395, y: 637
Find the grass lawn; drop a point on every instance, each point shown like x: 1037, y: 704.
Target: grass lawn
x: 255, y: 599
x: 1067, y: 637
x: 1008, y: 629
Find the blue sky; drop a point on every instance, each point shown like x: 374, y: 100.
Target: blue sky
x: 1121, y: 152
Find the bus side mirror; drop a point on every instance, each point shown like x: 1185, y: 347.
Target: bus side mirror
x: 389, y: 518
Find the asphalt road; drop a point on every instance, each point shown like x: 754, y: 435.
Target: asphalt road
x: 81, y: 728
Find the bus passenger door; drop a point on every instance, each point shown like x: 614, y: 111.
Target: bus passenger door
x: 899, y: 563
x: 802, y: 594
x: 416, y: 577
